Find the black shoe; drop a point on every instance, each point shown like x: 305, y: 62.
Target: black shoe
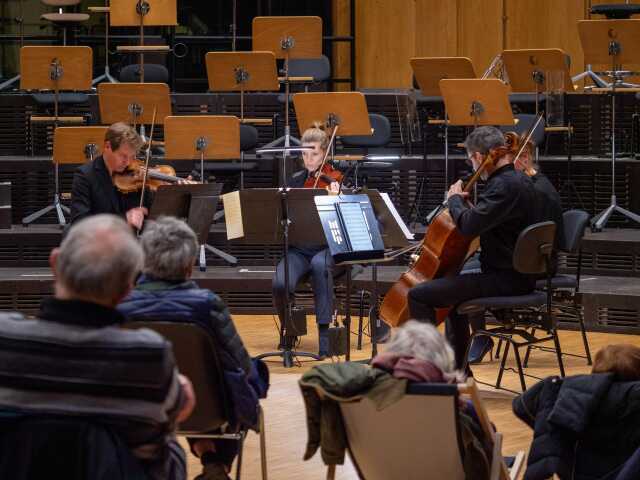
x: 479, y: 348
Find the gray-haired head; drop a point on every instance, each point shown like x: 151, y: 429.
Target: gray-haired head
x: 483, y: 139
x: 98, y: 260
x: 170, y: 248
x: 424, y: 341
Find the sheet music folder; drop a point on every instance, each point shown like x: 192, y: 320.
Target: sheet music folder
x: 255, y: 216
x: 195, y: 203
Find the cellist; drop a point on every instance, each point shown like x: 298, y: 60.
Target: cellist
x: 503, y: 210
x: 547, y: 207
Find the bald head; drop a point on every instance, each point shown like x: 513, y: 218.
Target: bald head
x: 97, y: 261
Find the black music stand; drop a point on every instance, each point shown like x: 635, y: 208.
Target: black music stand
x: 274, y: 216
x: 613, y: 42
x: 194, y: 203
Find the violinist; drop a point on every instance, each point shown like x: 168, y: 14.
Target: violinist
x: 503, y: 210
x: 93, y: 190
x: 314, y: 260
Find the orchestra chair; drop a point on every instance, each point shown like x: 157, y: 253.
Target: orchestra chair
x: 317, y: 68
x: 418, y: 436
x: 153, y: 73
x: 196, y: 357
x: 61, y: 19
x: 567, y: 287
x: 616, y: 11
x: 516, y: 314
x: 380, y: 137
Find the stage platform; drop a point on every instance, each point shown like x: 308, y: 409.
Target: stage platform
x: 610, y: 287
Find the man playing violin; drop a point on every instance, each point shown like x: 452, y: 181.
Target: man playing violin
x: 314, y: 260
x: 503, y: 210
x: 93, y: 190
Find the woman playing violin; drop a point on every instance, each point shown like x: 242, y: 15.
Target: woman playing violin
x: 314, y: 260
x: 93, y: 190
x: 315, y: 138
x: 503, y: 210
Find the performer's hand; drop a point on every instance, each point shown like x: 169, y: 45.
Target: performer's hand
x: 185, y: 181
x: 190, y: 398
x: 334, y: 187
x: 456, y: 189
x: 135, y: 216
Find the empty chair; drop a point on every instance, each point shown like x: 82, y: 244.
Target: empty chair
x: 380, y: 138
x: 153, y: 73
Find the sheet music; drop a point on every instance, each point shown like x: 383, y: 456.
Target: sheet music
x: 392, y: 208
x: 356, y: 226
x: 233, y: 215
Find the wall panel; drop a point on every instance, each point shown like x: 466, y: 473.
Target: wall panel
x: 385, y: 32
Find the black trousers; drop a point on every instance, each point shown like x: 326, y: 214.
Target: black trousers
x: 452, y: 291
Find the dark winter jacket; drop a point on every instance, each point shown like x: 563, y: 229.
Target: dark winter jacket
x: 585, y: 426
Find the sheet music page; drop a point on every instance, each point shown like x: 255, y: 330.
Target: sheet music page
x: 392, y: 208
x: 233, y: 215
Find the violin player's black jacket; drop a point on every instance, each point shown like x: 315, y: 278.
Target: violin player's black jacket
x: 93, y: 192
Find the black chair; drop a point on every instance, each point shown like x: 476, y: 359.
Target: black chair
x: 318, y: 68
x: 532, y: 256
x: 56, y: 446
x: 153, y: 73
x: 195, y: 354
x: 524, y: 124
x: 566, y: 287
x: 380, y: 137
x: 616, y: 10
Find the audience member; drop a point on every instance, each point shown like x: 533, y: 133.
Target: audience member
x: 124, y: 379
x: 585, y: 426
x: 165, y: 292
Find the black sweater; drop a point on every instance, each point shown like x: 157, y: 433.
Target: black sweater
x: 504, y: 209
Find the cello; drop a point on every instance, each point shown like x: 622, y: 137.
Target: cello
x: 443, y: 250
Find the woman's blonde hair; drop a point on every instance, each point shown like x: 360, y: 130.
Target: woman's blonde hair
x: 621, y: 359
x: 316, y: 133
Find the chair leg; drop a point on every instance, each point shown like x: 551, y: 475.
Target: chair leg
x: 498, y: 348
x: 556, y: 341
x: 528, y: 352
x: 239, y: 460
x: 502, y: 364
x: 583, y: 331
x: 360, y: 321
x: 263, y: 444
x: 516, y: 353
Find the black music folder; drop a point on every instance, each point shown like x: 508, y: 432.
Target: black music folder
x: 350, y: 228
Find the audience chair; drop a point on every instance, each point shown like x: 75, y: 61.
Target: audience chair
x: 566, y: 287
x: 153, y: 73
x: 532, y: 256
x: 55, y: 446
x: 195, y: 354
x: 417, y: 437
x: 61, y: 19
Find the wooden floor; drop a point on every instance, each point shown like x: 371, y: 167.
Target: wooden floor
x: 285, y: 417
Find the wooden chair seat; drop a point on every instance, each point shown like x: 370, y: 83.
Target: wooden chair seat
x: 65, y: 17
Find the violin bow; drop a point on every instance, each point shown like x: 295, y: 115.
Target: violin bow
x: 528, y: 136
x: 148, y: 156
x: 326, y: 154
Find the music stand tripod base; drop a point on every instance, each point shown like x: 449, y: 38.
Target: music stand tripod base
x: 599, y: 221
x: 56, y: 205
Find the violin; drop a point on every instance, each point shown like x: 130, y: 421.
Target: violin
x: 323, y: 177
x: 133, y: 179
x: 443, y: 250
